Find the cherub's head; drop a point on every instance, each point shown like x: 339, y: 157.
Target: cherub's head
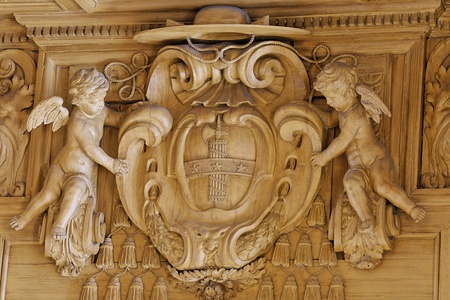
x: 337, y: 82
x: 88, y: 89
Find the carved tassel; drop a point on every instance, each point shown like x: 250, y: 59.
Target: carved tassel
x: 105, y: 258
x: 281, y: 252
x: 327, y: 256
x: 303, y: 254
x: 266, y: 289
x: 317, y: 214
x: 150, y: 259
x: 89, y: 291
x: 159, y: 291
x: 120, y: 218
x: 113, y: 289
x: 290, y: 289
x: 128, y: 255
x: 136, y: 291
x: 336, y: 291
x: 312, y: 291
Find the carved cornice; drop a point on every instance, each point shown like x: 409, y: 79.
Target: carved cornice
x: 63, y: 25
x: 12, y: 33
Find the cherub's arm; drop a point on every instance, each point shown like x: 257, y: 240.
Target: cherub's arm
x: 330, y: 119
x: 113, y: 118
x: 96, y: 153
x: 338, y: 145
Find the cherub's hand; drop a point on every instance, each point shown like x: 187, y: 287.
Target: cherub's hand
x: 119, y: 167
x: 318, y: 160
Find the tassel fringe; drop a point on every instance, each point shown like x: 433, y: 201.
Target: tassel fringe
x: 303, y: 254
x: 312, y: 291
x: 128, y: 255
x: 317, y: 216
x: 266, y: 289
x: 89, y: 291
x: 150, y: 259
x: 336, y: 291
x: 120, y: 218
x: 136, y: 291
x: 113, y: 289
x: 281, y: 252
x: 327, y: 256
x: 290, y: 289
x: 159, y: 291
x: 105, y: 259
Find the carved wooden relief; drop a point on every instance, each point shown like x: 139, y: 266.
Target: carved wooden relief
x: 17, y: 77
x: 435, y: 165
x: 234, y: 176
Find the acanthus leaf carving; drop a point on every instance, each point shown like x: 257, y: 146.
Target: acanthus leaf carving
x: 435, y: 168
x: 17, y: 71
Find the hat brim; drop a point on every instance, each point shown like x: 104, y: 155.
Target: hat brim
x: 218, y: 33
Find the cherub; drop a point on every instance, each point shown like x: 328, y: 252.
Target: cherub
x: 70, y: 176
x: 370, y: 164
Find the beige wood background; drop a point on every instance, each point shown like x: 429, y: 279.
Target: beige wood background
x: 392, y: 39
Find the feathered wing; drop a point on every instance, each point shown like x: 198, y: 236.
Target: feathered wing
x: 49, y: 111
x: 372, y: 102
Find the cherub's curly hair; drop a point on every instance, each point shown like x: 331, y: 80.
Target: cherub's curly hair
x: 85, y: 83
x: 337, y: 76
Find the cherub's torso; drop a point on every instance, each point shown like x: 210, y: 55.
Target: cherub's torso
x: 81, y: 131
x: 365, y: 148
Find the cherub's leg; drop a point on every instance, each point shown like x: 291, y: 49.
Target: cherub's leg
x: 48, y: 195
x: 384, y: 187
x: 355, y: 186
x: 75, y: 191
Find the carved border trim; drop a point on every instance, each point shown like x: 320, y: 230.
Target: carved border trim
x: 369, y: 20
x: 87, y: 30
x: 13, y: 37
x: 4, y: 258
x: 366, y: 20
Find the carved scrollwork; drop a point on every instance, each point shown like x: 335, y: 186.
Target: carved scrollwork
x: 17, y: 72
x: 212, y: 191
x: 254, y: 74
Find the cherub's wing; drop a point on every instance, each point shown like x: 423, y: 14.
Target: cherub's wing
x: 48, y: 111
x: 372, y: 102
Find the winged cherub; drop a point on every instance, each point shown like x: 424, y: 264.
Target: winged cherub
x: 70, y: 176
x: 370, y: 164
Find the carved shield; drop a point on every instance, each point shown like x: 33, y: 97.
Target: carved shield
x: 218, y: 174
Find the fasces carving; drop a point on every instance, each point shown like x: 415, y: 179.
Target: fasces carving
x: 220, y: 162
x: 69, y: 188
x: 17, y: 72
x: 368, y: 179
x: 435, y: 168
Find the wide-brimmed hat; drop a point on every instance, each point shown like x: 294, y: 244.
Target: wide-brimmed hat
x: 219, y: 23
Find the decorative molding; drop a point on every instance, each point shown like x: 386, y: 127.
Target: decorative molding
x: 78, y: 25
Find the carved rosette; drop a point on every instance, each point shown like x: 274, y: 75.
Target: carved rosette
x: 436, y: 150
x: 215, y: 188
x: 17, y: 76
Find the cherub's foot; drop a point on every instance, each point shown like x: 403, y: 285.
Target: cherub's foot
x: 18, y: 222
x: 417, y: 213
x: 58, y: 233
x: 367, y: 225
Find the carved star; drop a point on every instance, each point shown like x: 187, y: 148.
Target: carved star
x: 241, y: 168
x: 217, y: 167
x: 195, y: 169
